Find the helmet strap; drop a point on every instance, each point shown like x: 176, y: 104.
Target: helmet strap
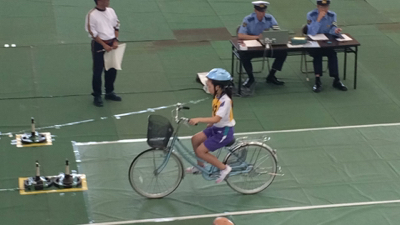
x: 215, y: 91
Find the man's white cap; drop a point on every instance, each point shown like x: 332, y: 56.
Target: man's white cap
x: 260, y: 5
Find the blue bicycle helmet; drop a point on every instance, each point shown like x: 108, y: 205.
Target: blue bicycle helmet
x: 222, y: 78
x: 219, y: 74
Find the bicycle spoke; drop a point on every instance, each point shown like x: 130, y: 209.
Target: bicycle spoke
x: 158, y: 185
x: 149, y: 185
x: 251, y: 158
x: 165, y: 183
x: 154, y: 161
x: 257, y: 157
x: 266, y: 157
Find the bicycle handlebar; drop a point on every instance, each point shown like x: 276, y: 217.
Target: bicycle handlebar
x: 178, y: 119
x: 179, y: 107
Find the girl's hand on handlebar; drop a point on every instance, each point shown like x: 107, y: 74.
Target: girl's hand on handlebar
x: 194, y: 121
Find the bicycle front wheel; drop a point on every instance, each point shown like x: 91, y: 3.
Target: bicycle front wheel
x: 255, y: 167
x: 145, y: 179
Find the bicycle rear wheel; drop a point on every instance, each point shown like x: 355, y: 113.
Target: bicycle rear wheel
x: 147, y: 182
x: 256, y: 166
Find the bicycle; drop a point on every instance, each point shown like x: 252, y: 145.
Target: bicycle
x: 158, y: 171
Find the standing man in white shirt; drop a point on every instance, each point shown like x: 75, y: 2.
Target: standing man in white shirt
x: 102, y: 24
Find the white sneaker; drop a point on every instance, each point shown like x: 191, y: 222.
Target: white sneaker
x: 223, y: 174
x: 193, y: 170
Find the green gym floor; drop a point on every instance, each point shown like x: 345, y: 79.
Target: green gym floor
x: 339, y: 151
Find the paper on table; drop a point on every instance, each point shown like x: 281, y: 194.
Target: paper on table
x: 319, y: 37
x: 203, y: 79
x: 252, y: 43
x: 309, y: 44
x: 113, y: 59
x: 312, y: 44
x: 345, y: 38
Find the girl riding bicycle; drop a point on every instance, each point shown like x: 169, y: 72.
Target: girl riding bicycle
x: 220, y: 129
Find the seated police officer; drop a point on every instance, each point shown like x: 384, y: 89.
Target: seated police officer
x: 251, y: 29
x: 323, y: 21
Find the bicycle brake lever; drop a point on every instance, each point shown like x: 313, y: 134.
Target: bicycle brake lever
x: 189, y: 120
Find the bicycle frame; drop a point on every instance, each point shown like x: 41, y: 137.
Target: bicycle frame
x: 208, y: 174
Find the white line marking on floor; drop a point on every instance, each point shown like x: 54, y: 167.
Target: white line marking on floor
x: 249, y: 212
x: 251, y: 133
x: 118, y: 116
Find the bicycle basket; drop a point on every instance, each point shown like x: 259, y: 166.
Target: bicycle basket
x: 159, y: 131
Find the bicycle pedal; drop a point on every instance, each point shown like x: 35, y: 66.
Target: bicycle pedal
x: 214, y: 175
x: 193, y: 173
x: 211, y: 169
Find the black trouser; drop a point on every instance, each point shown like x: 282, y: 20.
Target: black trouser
x: 247, y: 56
x: 98, y: 67
x: 317, y: 54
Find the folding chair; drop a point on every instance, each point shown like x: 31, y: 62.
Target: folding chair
x: 304, y: 57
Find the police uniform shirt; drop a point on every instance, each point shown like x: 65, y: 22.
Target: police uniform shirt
x: 102, y: 23
x: 327, y: 24
x: 222, y: 107
x: 252, y: 26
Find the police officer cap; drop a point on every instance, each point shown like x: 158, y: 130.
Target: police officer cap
x: 323, y: 2
x: 260, y: 5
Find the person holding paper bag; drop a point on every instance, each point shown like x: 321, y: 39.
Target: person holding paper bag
x: 251, y: 29
x: 102, y: 24
x: 323, y: 21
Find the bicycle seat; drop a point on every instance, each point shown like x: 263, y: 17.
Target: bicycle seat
x: 231, y: 143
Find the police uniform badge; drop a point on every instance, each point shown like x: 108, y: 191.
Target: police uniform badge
x: 324, y: 1
x: 276, y: 27
x: 244, y: 24
x: 308, y: 21
x: 334, y: 24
